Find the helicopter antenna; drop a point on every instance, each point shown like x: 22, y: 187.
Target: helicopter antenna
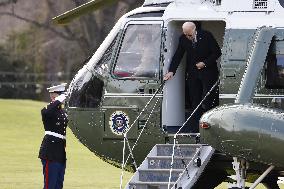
x: 88, y: 7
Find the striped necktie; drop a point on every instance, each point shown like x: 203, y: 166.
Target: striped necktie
x: 193, y: 43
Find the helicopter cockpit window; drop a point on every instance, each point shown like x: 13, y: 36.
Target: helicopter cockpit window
x: 275, y: 72
x: 139, y: 55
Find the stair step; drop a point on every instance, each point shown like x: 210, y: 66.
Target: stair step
x: 154, y: 172
x: 149, y: 185
x: 167, y: 157
x: 172, y: 130
x: 158, y: 175
x: 164, y: 162
x: 180, y: 150
x: 192, y: 135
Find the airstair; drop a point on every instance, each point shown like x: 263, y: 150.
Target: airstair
x: 176, y: 166
x: 182, y: 168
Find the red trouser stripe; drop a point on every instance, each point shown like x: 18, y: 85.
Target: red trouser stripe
x: 46, y: 175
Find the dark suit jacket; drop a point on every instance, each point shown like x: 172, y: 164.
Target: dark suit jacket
x: 206, y: 50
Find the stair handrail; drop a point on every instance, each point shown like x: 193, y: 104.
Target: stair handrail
x: 200, y: 152
x: 141, y: 132
x: 194, y: 157
x: 131, y: 149
x: 125, y: 139
x: 175, y: 136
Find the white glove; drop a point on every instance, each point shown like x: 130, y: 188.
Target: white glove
x: 61, y: 97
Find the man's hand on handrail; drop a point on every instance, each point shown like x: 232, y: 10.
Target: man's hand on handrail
x: 168, y: 76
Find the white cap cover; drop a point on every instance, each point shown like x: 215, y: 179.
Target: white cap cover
x: 57, y: 88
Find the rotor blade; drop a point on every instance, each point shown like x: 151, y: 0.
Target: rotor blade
x: 70, y: 15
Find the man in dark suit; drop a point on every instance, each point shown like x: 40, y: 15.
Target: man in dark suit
x: 52, y: 151
x: 202, y: 52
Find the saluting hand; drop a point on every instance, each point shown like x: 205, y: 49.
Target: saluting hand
x: 61, y: 97
x: 200, y: 65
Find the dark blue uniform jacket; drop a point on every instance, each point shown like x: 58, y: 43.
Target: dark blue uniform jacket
x: 54, y: 119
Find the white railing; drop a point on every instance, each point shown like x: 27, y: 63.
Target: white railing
x: 175, y: 136
x: 125, y: 140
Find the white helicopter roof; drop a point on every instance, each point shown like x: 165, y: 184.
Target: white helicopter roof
x: 234, y: 13
x: 244, y: 5
x: 151, y: 2
x: 225, y: 5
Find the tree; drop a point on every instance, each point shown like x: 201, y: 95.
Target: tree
x: 62, y: 49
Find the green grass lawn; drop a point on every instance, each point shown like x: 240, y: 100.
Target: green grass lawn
x: 21, y: 132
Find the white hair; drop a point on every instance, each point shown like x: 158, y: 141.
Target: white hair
x: 188, y: 25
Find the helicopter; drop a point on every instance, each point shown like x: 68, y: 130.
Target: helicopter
x: 113, y: 94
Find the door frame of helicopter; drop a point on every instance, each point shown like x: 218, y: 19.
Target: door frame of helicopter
x: 174, y: 112
x: 130, y: 93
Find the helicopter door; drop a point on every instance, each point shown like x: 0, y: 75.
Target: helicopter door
x: 135, y: 77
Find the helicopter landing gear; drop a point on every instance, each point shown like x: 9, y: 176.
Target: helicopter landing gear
x: 268, y: 184
x: 240, y: 166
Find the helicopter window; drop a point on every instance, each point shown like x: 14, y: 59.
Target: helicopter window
x: 148, y: 14
x: 102, y: 67
x: 281, y: 3
x: 139, y: 55
x: 275, y: 72
x: 88, y: 95
x: 92, y: 94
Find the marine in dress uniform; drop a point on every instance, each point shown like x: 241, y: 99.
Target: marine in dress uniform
x: 202, y: 52
x: 52, y: 151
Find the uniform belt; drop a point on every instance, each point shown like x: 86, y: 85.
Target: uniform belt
x: 55, y: 134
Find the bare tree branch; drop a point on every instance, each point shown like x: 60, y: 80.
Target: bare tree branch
x: 41, y: 25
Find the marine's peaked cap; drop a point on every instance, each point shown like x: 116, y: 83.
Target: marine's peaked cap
x: 57, y: 88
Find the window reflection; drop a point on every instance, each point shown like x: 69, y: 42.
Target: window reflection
x: 89, y: 95
x: 139, y: 55
x: 103, y: 66
x: 281, y: 3
x: 87, y: 88
x: 275, y: 72
x: 280, y: 67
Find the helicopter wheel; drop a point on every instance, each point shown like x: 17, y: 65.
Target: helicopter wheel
x: 271, y: 182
